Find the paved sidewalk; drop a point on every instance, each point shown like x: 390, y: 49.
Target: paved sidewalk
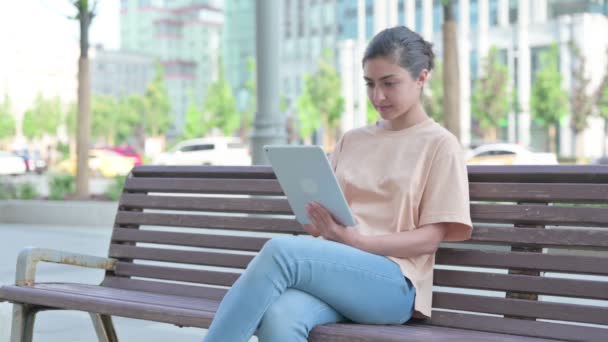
x: 72, y: 326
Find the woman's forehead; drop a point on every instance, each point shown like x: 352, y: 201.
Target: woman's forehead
x: 381, y: 67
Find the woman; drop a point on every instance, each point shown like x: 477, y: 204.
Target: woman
x: 405, y: 180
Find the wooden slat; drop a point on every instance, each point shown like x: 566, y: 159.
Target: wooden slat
x: 205, y: 186
x: 538, y: 173
x: 522, y: 260
x: 212, y: 204
x: 543, y: 237
x: 539, y: 192
x: 558, y: 331
x: 244, y: 243
x: 164, y: 288
x: 522, y: 283
x: 248, y: 172
x: 176, y: 274
x: 180, y: 256
x: 206, y: 221
x: 540, y: 215
x: 522, y: 308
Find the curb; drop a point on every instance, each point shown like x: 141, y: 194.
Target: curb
x: 89, y: 213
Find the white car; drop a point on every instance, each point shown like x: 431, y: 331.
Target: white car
x: 509, y: 154
x: 11, y: 164
x: 207, y: 151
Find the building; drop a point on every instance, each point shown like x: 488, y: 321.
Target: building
x: 184, y: 36
x: 119, y: 73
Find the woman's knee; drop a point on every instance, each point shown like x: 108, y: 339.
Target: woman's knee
x: 281, y: 244
x: 279, y: 324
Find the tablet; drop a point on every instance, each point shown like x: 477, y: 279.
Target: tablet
x: 306, y: 176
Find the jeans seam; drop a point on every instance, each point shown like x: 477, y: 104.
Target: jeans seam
x: 377, y: 275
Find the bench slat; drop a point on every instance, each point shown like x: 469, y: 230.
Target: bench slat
x: 176, y: 274
x: 180, y: 256
x: 205, y: 186
x: 538, y: 173
x: 164, y: 288
x: 539, y: 215
x: 244, y: 243
x: 522, y: 260
x: 206, y: 221
x: 541, y: 237
x: 517, y: 326
x: 522, y: 283
x: 539, y: 192
x: 249, y: 172
x: 521, y: 307
x: 221, y: 204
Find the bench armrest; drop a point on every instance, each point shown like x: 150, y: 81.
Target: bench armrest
x: 29, y: 257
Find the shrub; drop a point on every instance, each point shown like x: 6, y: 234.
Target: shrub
x: 114, y: 191
x: 60, y: 186
x: 27, y: 191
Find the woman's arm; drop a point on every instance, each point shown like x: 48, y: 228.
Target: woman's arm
x: 424, y: 240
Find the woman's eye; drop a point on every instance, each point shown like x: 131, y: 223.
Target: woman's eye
x: 389, y: 84
x: 369, y: 85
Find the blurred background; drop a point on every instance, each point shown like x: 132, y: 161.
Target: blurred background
x: 174, y: 82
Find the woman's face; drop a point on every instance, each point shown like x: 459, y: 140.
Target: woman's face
x: 391, y: 88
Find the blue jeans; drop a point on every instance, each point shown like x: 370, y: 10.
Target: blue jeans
x: 296, y: 283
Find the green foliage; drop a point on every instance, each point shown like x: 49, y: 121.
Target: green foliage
x: 43, y: 117
x: 60, y: 186
x: 114, y: 191
x: 7, y: 190
x: 548, y: 101
x: 603, y: 104
x: 251, y: 86
x: 157, y: 105
x: 581, y: 102
x: 198, y: 122
x: 113, y: 119
x: 27, y: 191
x: 433, y: 102
x: 320, y: 102
x: 491, y: 101
x: 371, y: 113
x: 220, y: 105
x: 7, y: 121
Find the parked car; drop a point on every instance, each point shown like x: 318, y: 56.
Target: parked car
x: 509, y: 154
x: 601, y: 161
x: 33, y: 160
x: 127, y: 151
x: 11, y: 164
x: 107, y: 163
x: 207, y: 151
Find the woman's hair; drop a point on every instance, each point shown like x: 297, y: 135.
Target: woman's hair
x: 405, y: 47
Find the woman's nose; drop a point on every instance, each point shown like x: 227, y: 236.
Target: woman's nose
x: 377, y: 95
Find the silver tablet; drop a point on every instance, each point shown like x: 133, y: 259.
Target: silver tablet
x: 306, y: 176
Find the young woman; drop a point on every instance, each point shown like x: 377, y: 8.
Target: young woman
x: 405, y: 180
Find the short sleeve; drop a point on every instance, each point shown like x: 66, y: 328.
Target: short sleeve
x: 445, y: 197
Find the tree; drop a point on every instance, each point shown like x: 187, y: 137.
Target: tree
x: 113, y: 119
x: 603, y: 112
x: 157, y: 105
x: 432, y: 97
x: 44, y: 117
x: 7, y: 120
x: 581, y: 103
x: 220, y: 105
x: 490, y: 102
x: 548, y: 101
x: 197, y: 121
x: 84, y: 15
x: 248, y: 114
x: 319, y: 105
x: 451, y: 87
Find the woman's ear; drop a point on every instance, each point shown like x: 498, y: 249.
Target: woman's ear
x: 422, y: 77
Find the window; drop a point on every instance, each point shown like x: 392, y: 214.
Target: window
x: 199, y: 147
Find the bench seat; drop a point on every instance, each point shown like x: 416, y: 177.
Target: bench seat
x: 198, y: 312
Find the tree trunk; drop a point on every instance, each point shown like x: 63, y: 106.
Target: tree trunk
x: 451, y: 97
x: 551, y: 139
x: 490, y: 135
x: 580, y: 146
x: 83, y: 123
x: 605, y: 135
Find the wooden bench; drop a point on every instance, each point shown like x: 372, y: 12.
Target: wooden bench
x: 536, y: 267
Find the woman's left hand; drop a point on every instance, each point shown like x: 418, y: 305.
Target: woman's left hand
x: 328, y: 227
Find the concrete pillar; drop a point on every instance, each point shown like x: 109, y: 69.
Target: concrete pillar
x: 465, y: 72
x: 539, y: 11
x: 393, y: 13
x: 348, y: 64
x: 269, y: 125
x: 482, y: 29
x: 427, y: 20
x: 523, y: 72
x: 409, y: 13
x: 380, y: 15
x: 361, y: 101
x: 503, y: 13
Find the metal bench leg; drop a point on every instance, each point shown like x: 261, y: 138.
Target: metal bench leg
x: 104, y: 328
x: 23, y: 323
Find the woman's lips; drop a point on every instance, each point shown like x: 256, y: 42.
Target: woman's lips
x: 383, y: 108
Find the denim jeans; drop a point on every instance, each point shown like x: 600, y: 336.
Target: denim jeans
x: 296, y: 283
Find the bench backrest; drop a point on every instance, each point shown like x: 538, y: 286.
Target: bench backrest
x: 537, y: 264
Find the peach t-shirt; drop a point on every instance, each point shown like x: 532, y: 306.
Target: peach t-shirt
x: 397, y: 181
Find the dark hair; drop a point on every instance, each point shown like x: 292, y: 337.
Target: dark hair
x: 405, y: 47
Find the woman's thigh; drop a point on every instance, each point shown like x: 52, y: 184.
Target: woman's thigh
x: 364, y: 287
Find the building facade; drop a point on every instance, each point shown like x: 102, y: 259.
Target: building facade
x: 119, y: 73
x: 185, y: 37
